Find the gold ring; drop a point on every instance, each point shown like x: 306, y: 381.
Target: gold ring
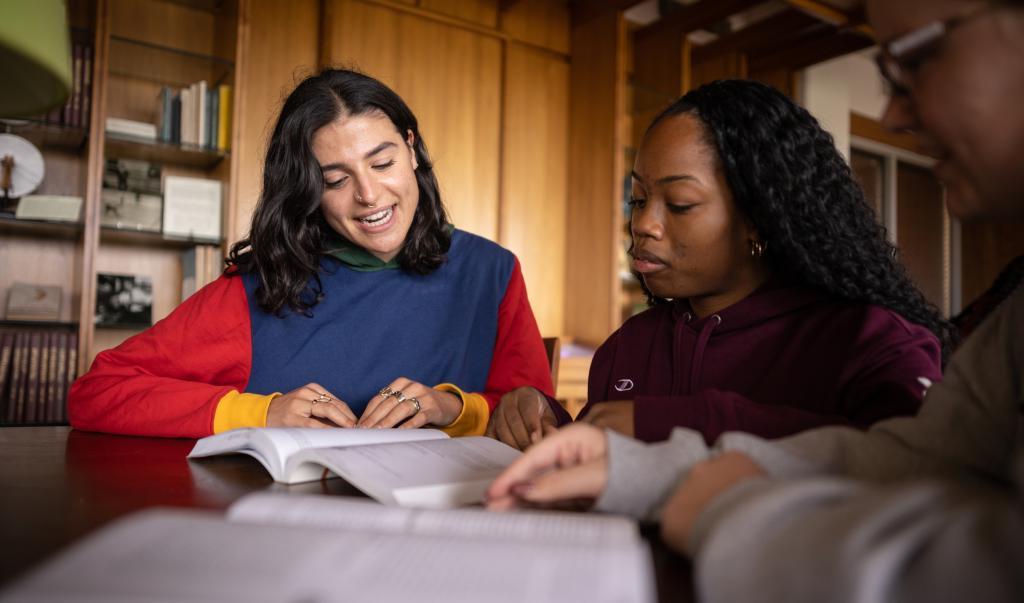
x: 385, y: 392
x: 415, y: 404
x: 399, y: 396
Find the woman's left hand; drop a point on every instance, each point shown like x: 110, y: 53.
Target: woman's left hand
x: 400, y: 401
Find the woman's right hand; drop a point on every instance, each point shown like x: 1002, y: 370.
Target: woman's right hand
x: 567, y: 469
x: 309, y: 406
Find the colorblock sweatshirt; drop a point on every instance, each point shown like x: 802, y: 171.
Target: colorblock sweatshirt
x: 217, y: 361
x: 784, y: 359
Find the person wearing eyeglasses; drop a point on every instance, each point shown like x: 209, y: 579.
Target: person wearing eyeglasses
x: 923, y: 508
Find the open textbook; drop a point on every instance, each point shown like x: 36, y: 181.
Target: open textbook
x: 407, y: 467
x: 279, y: 547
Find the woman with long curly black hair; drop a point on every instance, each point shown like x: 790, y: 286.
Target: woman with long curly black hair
x: 353, y: 294
x: 777, y: 302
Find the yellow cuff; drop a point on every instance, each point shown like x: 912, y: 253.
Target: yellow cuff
x: 241, y: 410
x: 474, y: 416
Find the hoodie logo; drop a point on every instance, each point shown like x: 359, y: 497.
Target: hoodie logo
x: 623, y: 385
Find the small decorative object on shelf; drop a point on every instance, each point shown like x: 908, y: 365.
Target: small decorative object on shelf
x: 33, y: 302
x: 21, y: 169
x: 124, y: 301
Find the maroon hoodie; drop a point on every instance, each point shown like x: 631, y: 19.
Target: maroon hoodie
x: 784, y: 359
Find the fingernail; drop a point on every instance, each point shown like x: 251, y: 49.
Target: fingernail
x: 535, y: 437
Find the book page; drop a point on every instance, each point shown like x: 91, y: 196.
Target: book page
x: 272, y: 446
x: 196, y: 556
x: 341, y: 512
x: 434, y: 474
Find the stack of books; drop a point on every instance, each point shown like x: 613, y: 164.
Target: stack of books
x: 128, y: 127
x: 199, y: 115
x: 36, y: 369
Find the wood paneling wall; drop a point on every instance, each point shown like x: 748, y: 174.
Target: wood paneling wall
x: 281, y: 48
x: 534, y: 177
x: 596, y: 169
x: 451, y: 79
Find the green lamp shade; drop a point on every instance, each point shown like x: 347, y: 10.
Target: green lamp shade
x: 35, y: 56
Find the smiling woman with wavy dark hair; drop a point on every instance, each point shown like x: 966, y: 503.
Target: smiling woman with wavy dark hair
x: 777, y: 303
x: 352, y: 293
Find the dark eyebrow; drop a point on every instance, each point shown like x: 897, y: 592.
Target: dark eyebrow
x: 377, y: 149
x: 669, y: 179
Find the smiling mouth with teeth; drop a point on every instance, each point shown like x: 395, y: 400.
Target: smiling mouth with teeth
x: 379, y: 217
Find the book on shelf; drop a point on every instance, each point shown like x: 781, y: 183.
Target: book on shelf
x: 224, y: 117
x: 19, y: 370
x: 54, y: 208
x: 280, y: 547
x: 200, y: 266
x: 76, y: 110
x: 406, y: 467
x: 33, y: 302
x: 202, y: 112
x: 6, y: 352
x: 124, y: 300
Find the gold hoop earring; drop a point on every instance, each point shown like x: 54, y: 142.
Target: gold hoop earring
x: 757, y: 249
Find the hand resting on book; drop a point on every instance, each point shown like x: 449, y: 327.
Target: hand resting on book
x: 309, y: 406
x: 431, y: 406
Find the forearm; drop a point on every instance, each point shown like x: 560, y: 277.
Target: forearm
x: 831, y: 539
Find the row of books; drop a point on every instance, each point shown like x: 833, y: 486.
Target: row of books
x: 200, y: 265
x: 75, y: 111
x: 199, y: 115
x: 36, y: 369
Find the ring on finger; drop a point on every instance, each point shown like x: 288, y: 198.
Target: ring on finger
x: 399, y: 396
x: 322, y: 398
x: 415, y: 405
x: 385, y: 392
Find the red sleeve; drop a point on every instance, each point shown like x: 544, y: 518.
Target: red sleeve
x: 519, y: 357
x: 167, y: 380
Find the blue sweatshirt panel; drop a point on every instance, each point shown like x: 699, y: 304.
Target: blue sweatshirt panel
x: 371, y: 328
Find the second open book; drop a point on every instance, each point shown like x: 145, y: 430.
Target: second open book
x: 407, y: 467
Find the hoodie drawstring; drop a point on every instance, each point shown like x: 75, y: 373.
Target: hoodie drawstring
x: 702, y: 342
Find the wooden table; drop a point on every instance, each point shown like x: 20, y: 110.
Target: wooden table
x: 57, y: 484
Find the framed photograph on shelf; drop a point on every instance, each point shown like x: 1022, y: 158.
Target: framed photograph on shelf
x: 124, y: 301
x: 192, y: 208
x: 131, y: 195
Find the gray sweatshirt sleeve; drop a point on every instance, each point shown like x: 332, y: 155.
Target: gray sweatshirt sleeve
x: 642, y: 476
x: 832, y: 539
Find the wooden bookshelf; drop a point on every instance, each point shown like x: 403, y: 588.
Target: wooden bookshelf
x: 137, y: 48
x: 155, y: 151
x: 40, y: 228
